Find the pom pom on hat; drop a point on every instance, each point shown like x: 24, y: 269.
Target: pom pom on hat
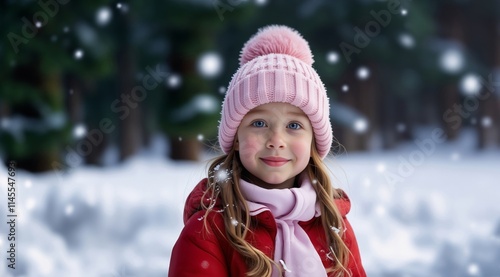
x: 276, y: 67
x: 276, y: 39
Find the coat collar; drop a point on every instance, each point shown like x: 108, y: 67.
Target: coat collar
x: 194, y: 200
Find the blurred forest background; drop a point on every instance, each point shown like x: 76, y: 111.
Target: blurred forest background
x: 78, y: 78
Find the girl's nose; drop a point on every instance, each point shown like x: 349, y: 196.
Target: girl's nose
x: 275, y: 140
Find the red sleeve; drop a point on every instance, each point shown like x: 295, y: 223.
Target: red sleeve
x: 197, y: 252
x: 355, y: 266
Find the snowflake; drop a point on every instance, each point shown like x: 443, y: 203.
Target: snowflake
x: 335, y: 229
x: 78, y: 54
x: 103, y: 16
x: 221, y: 175
x: 360, y: 125
x: 223, y: 209
x: 210, y: 64
x: 473, y: 269
x: 329, y: 254
x: 363, y: 73
x: 332, y: 57
x: 486, y: 121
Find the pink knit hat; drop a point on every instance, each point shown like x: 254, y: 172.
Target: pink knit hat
x: 276, y: 66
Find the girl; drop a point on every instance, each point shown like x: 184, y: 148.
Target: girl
x: 268, y: 207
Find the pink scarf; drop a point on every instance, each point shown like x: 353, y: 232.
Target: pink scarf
x: 294, y: 250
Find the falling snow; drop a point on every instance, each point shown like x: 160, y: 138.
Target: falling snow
x: 486, y: 121
x: 470, y: 84
x: 473, y: 269
x: 332, y: 57
x: 210, y: 64
x: 452, y: 60
x: 260, y: 2
x: 407, y: 40
x: 78, y: 54
x: 363, y: 73
x: 401, y: 127
x: 205, y: 264
x: 360, y: 125
x: 103, y: 16
x: 79, y: 131
x: 223, y: 175
x: 122, y: 7
x: 174, y: 81
x: 335, y: 229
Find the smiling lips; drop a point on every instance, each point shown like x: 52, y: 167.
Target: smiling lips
x: 274, y: 161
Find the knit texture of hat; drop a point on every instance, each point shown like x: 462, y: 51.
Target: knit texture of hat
x: 276, y: 67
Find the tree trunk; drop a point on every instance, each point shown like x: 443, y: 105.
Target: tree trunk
x: 130, y: 118
x: 367, y: 103
x: 345, y: 134
x: 74, y: 99
x: 362, y: 96
x: 450, y: 97
x: 185, y: 149
x: 387, y: 120
x: 452, y: 28
x: 488, y: 114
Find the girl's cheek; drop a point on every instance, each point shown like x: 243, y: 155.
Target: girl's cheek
x: 249, y: 145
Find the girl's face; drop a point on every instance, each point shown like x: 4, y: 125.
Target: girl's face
x: 274, y: 142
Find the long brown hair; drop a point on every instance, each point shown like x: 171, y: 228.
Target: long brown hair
x: 224, y: 174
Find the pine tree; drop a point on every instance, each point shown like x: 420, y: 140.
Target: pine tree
x: 40, y: 52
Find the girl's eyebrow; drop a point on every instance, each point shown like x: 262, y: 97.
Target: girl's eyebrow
x: 301, y: 114
x: 257, y: 110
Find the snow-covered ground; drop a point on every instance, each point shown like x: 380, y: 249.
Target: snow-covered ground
x: 431, y: 211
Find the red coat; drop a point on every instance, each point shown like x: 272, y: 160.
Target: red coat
x: 198, y: 253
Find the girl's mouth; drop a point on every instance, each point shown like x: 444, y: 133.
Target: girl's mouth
x: 274, y: 161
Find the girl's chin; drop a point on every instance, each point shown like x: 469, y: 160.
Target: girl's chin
x: 276, y: 183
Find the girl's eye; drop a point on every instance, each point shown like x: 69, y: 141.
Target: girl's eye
x: 259, y: 123
x: 294, y: 126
